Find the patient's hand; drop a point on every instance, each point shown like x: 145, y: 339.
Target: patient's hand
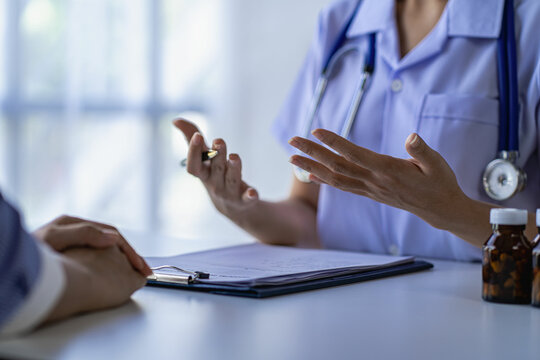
x: 67, y: 232
x: 95, y: 279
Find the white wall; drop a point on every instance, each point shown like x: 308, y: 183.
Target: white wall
x: 268, y: 41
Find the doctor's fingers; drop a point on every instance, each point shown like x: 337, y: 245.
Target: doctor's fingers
x: 427, y: 159
x: 334, y: 162
x: 195, y: 164
x: 218, y: 166
x: 320, y: 173
x: 188, y: 128
x: 233, y: 177
x: 360, y: 156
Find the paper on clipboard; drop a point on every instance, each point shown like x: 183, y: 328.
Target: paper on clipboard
x: 265, y: 265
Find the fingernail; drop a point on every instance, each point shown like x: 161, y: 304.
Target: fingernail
x: 144, y: 268
x: 142, y: 264
x: 110, y: 234
x: 147, y: 267
x: 293, y: 161
x: 251, y: 193
x: 316, y: 133
x: 294, y: 142
x: 412, y: 140
x: 197, y: 139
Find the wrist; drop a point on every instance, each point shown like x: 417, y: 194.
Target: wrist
x: 468, y: 219
x: 73, y: 298
x: 240, y: 213
x: 455, y: 212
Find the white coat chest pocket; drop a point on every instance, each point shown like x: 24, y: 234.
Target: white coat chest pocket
x: 464, y: 130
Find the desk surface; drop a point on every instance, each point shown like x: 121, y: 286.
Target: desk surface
x: 436, y: 314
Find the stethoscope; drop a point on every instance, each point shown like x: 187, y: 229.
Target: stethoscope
x: 502, y: 177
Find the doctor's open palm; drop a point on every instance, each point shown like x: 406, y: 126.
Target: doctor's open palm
x: 222, y: 177
x: 424, y: 185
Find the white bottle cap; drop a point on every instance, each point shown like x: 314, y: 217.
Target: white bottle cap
x: 508, y: 217
x: 538, y: 217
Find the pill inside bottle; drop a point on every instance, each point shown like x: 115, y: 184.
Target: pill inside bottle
x: 507, y: 259
x: 536, y: 264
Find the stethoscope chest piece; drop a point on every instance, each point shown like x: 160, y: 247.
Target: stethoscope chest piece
x: 502, y: 178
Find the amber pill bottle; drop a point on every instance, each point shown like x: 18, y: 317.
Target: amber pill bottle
x: 507, y: 259
x: 536, y: 264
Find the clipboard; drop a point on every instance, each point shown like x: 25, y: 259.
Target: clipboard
x: 261, y: 271
x: 276, y: 290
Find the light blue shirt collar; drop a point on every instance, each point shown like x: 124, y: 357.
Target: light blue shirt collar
x: 481, y: 19
x: 467, y: 18
x: 372, y: 16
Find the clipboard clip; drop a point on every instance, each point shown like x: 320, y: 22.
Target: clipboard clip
x: 184, y: 277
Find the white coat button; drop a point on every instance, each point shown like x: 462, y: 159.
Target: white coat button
x: 397, y: 85
x: 393, y: 250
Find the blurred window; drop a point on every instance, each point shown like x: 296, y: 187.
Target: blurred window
x: 88, y: 89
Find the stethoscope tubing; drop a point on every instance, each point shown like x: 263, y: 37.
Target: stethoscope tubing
x: 513, y: 106
x: 357, y: 100
x: 502, y: 65
x: 508, y: 147
x: 508, y: 83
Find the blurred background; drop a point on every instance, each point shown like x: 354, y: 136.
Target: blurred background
x: 88, y: 89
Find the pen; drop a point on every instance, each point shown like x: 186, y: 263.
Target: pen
x: 206, y: 155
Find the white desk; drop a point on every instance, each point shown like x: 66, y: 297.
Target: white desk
x: 436, y: 314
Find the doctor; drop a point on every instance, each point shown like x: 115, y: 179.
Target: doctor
x: 408, y: 176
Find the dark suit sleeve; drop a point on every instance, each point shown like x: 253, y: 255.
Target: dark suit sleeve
x: 19, y: 262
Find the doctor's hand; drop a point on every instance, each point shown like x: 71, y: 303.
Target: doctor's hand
x: 424, y: 185
x: 67, y: 232
x: 221, y: 176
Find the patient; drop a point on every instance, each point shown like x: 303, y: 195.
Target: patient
x: 66, y: 267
